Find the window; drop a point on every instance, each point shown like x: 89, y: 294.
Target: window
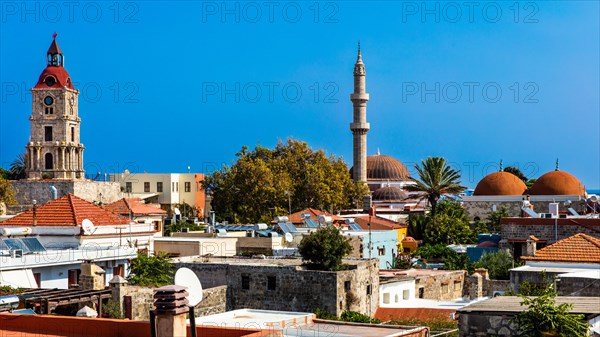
x: 457, y: 285
x: 172, y: 187
x: 405, y: 294
x: 159, y: 186
x: 72, y: 133
x: 245, y: 282
x: 369, y: 290
x: 128, y: 188
x: 73, y: 275
x: 421, y: 292
x: 49, y: 162
x: 48, y: 133
x: 49, y: 110
x: 386, y: 298
x: 445, y: 288
x: 188, y: 186
x: 396, y: 297
x: 157, y: 226
x: 119, y: 270
x: 176, y: 186
x: 38, y: 279
x: 146, y: 186
x: 381, y: 251
x: 271, y: 283
x: 347, y: 285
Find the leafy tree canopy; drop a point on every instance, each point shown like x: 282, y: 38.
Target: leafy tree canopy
x: 544, y: 318
x: 497, y: 263
x: 151, y: 270
x: 7, y: 192
x: 514, y: 170
x: 436, y: 177
x: 325, y: 248
x: 261, y: 182
x: 17, y: 167
x: 451, y: 225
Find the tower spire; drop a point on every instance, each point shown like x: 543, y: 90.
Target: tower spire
x: 359, y: 125
x: 556, y: 169
x: 501, y: 168
x: 54, y: 54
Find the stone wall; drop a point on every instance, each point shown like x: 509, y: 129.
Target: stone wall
x: 214, y: 301
x: 441, y: 287
x: 479, y: 325
x: 566, y: 286
x: 481, y: 209
x: 292, y: 287
x: 28, y: 190
x: 142, y: 301
x: 543, y: 232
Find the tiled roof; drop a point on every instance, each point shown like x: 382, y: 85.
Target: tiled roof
x: 126, y: 205
x: 417, y: 314
x: 580, y: 248
x: 69, y: 210
x: 377, y: 223
x: 314, y: 213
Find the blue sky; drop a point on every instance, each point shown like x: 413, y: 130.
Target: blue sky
x: 165, y: 85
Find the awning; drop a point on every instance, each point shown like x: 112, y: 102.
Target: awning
x: 22, y: 278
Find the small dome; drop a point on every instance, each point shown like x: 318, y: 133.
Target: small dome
x: 381, y: 167
x: 500, y: 183
x: 557, y: 183
x: 389, y: 194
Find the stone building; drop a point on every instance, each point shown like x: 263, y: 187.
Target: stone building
x: 287, y: 285
x: 504, y: 189
x: 54, y: 150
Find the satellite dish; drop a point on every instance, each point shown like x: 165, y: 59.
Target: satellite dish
x: 594, y: 198
x: 88, y: 227
x: 176, y: 210
x: 289, y: 237
x: 186, y: 278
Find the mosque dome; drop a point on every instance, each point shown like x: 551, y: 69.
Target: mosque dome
x: 382, y: 167
x: 557, y: 183
x: 500, y: 183
x: 389, y: 194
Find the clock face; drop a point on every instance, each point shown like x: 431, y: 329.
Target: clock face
x: 50, y: 81
x: 48, y: 100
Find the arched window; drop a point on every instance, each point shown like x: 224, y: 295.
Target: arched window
x: 49, y: 161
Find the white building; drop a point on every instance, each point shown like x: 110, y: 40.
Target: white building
x: 167, y: 189
x: 45, y: 246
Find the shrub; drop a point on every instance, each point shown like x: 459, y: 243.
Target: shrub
x: 150, y: 270
x: 498, y: 264
x: 357, y: 317
x: 325, y: 248
x: 112, y: 309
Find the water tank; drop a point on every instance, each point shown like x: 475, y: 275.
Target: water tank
x: 324, y: 219
x: 260, y: 227
x: 280, y: 219
x: 15, y: 231
x: 349, y: 221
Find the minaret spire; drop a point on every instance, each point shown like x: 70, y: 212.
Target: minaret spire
x: 359, y: 125
x: 556, y: 164
x: 501, y: 168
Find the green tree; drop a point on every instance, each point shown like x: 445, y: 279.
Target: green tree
x: 417, y: 223
x: 325, y: 249
x: 498, y: 264
x: 264, y: 182
x: 449, y: 230
x: 495, y: 217
x: 7, y: 192
x: 176, y: 227
x: 150, y: 270
x: 544, y: 318
x: 435, y: 179
x: 514, y: 170
x: 17, y: 167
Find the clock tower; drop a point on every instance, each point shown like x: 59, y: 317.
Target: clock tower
x: 54, y: 150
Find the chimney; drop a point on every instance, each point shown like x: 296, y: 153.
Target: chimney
x: 171, y: 311
x: 34, y: 213
x: 531, y: 245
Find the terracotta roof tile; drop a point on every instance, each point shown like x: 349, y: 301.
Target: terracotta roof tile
x: 126, y: 205
x: 580, y: 248
x: 314, y: 213
x: 377, y: 223
x: 69, y: 210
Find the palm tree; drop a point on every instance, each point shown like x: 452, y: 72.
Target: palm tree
x: 435, y: 179
x: 17, y: 167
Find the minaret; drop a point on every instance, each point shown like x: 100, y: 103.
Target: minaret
x: 54, y: 150
x: 359, y: 126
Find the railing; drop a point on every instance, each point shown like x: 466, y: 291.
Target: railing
x: 444, y: 333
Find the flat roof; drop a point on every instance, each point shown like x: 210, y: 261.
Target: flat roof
x: 512, y: 304
x: 238, y: 260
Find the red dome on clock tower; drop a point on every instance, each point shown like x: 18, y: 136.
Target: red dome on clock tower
x: 55, y: 75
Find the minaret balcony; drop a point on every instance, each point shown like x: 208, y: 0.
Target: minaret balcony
x: 360, y: 126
